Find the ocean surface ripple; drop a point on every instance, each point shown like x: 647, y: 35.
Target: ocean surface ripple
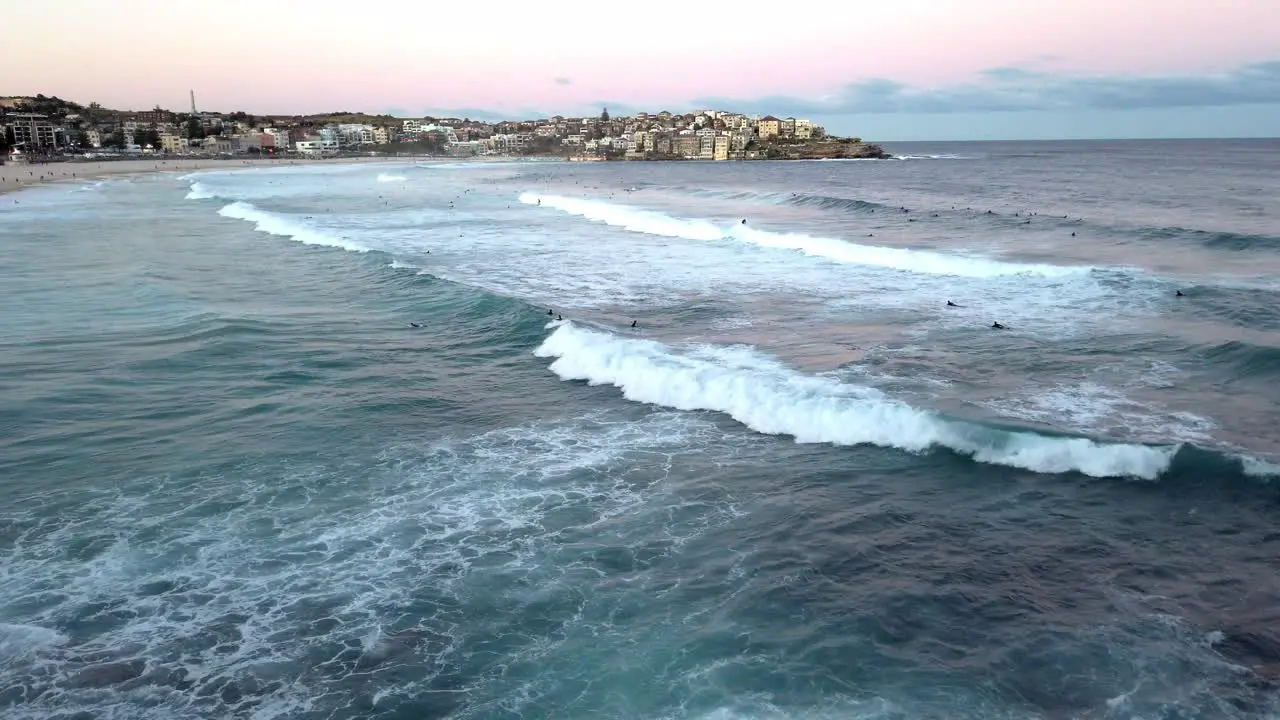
x: 686, y: 441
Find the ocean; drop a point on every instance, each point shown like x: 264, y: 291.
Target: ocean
x: 536, y: 440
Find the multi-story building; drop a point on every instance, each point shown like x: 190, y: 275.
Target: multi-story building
x: 768, y: 127
x: 804, y: 129
x: 686, y: 146
x: 706, y: 146
x: 154, y: 117
x: 280, y: 137
x: 448, y: 133
x: 505, y: 143
x: 172, y: 143
x: 215, y: 144
x: 721, y: 149
x: 787, y: 127
x: 315, y: 145
x: 33, y: 131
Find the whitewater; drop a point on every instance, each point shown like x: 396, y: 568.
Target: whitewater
x: 546, y: 440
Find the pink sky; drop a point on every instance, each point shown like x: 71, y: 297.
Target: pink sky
x: 325, y: 55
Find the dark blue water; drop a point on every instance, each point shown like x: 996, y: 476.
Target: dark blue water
x: 235, y: 482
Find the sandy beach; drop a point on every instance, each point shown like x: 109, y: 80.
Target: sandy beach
x: 18, y: 177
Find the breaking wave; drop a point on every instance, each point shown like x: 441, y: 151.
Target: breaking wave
x: 903, y: 259
x: 199, y: 192
x: 285, y: 226
x: 775, y: 400
x: 388, y: 177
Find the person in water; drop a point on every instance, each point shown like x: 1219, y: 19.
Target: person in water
x: 744, y: 221
x: 951, y: 304
x: 1179, y: 294
x: 633, y: 323
x: 997, y: 326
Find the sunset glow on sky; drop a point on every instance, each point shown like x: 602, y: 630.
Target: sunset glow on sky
x: 504, y: 58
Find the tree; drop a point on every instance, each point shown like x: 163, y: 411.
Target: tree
x: 147, y: 137
x: 114, y: 140
x: 7, y: 140
x: 83, y: 141
x: 194, y: 130
x: 604, y: 116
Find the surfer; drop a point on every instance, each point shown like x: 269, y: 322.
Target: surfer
x: 997, y: 326
x: 951, y: 304
x: 633, y: 323
x: 413, y: 324
x: 559, y: 318
x: 744, y: 221
x: 1179, y: 294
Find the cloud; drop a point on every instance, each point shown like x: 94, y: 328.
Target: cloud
x: 563, y: 81
x: 1021, y: 88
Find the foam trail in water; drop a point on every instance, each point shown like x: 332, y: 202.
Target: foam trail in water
x: 387, y: 177
x: 283, y: 226
x: 915, y: 261
x: 199, y: 192
x: 1259, y: 468
x: 772, y: 399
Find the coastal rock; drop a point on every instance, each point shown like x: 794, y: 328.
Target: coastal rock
x: 838, y: 150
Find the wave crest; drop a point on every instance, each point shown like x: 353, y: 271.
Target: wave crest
x: 902, y: 259
x: 284, y: 226
x: 199, y: 192
x: 772, y: 399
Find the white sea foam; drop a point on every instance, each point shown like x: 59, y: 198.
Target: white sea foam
x: 1093, y: 408
x: 775, y: 400
x: 199, y: 192
x: 840, y: 251
x: 1259, y: 468
x: 285, y: 226
x: 388, y: 177
x: 279, y: 588
x: 943, y: 156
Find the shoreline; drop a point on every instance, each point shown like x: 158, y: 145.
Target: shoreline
x: 14, y: 178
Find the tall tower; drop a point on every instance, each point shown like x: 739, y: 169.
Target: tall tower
x: 193, y: 102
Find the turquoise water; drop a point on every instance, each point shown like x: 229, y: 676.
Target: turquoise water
x: 235, y: 481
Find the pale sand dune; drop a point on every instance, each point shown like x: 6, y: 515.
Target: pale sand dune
x: 17, y: 177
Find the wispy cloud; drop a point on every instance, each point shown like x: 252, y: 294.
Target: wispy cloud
x: 563, y: 81
x: 1021, y: 88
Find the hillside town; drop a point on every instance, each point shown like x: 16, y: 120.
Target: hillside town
x: 44, y: 127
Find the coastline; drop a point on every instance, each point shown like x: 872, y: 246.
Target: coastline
x: 22, y: 177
